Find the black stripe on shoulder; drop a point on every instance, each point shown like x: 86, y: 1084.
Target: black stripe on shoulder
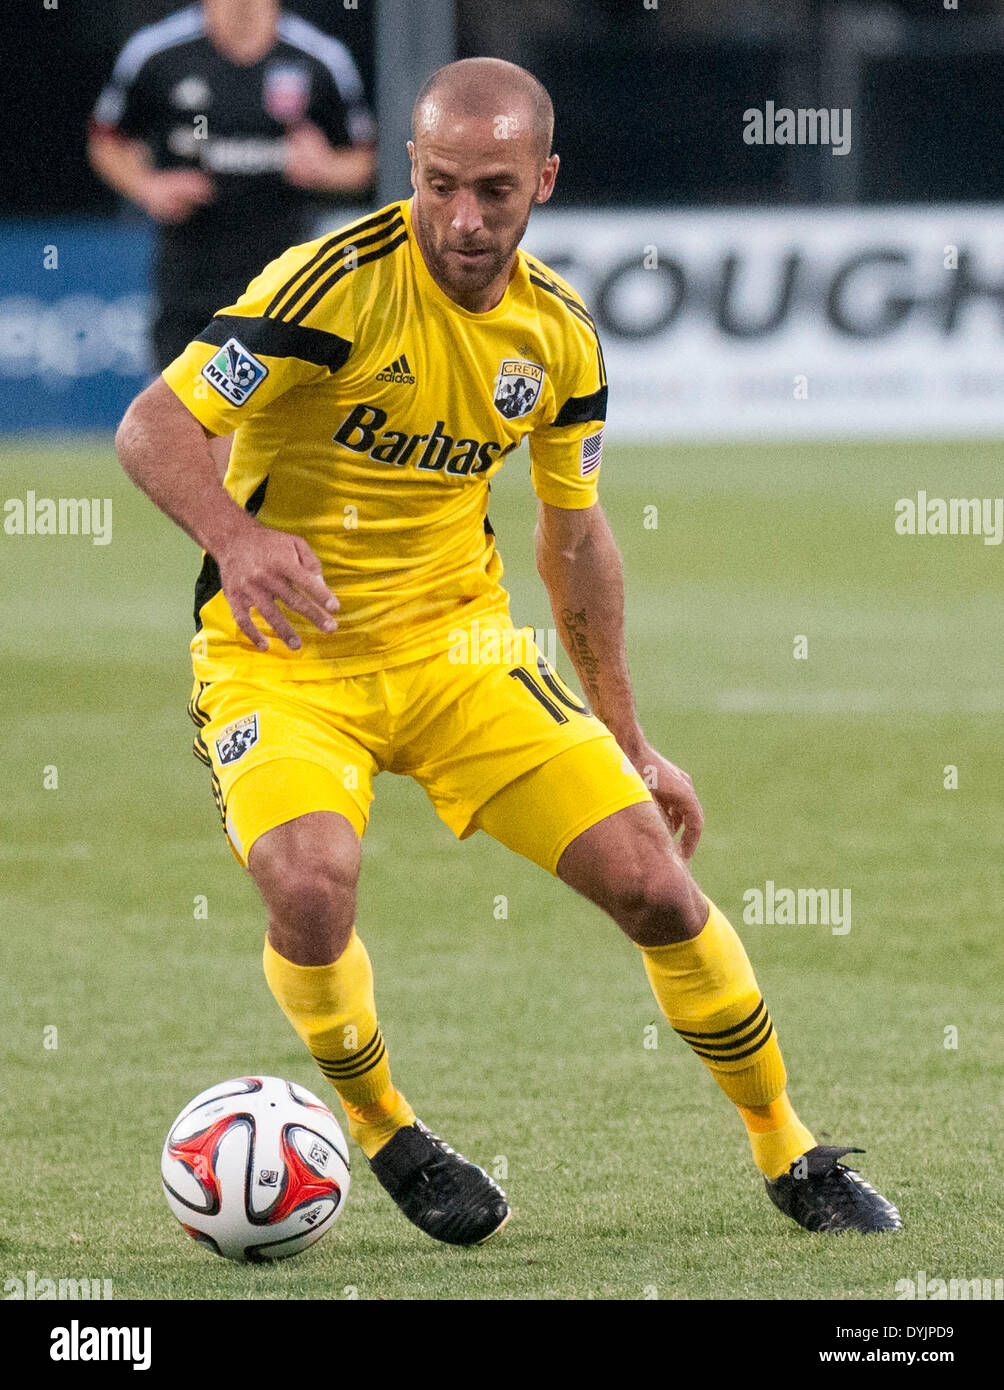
x: 579, y: 410
x: 331, y: 244
x: 536, y: 278
x: 331, y: 280
x: 335, y: 260
x: 274, y: 338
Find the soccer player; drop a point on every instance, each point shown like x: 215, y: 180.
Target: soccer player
x: 225, y: 122
x: 369, y: 376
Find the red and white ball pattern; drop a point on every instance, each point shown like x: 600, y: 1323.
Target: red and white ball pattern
x: 256, y: 1168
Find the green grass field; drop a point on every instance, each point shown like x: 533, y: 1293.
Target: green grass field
x: 523, y: 1040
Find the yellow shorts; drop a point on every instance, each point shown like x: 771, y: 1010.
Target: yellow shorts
x: 464, y: 730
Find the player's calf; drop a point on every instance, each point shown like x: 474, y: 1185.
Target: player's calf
x: 698, y: 970
x: 318, y: 969
x: 307, y: 871
x: 704, y: 984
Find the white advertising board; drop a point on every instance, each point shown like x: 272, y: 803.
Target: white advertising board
x: 791, y: 323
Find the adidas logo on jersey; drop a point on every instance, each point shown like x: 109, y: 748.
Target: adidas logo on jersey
x: 399, y: 372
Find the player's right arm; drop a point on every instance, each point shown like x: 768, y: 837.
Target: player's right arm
x: 125, y: 118
x: 166, y: 195
x: 165, y: 451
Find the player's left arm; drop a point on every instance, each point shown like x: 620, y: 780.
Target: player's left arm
x: 312, y: 162
x: 333, y: 150
x: 580, y: 565
x: 578, y: 560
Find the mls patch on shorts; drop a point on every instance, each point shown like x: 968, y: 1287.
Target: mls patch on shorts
x: 234, y: 372
x: 237, y: 738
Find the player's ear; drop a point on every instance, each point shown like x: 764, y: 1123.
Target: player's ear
x: 545, y: 184
x: 414, y: 164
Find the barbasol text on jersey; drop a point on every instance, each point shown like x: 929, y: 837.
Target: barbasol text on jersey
x: 358, y: 432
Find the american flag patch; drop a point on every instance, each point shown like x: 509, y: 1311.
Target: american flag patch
x: 592, y: 452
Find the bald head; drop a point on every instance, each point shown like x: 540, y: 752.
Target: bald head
x: 487, y: 87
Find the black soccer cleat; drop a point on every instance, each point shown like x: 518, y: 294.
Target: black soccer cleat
x: 445, y: 1196
x: 825, y: 1195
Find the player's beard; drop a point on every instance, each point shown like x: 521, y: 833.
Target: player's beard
x: 463, y: 280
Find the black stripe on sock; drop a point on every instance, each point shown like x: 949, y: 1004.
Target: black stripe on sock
x: 355, y: 1058
x: 724, y: 1032
x: 738, y: 1057
x: 352, y: 1057
x: 723, y: 1050
x: 354, y: 1074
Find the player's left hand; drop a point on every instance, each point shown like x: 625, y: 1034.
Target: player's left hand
x: 308, y: 157
x: 673, y: 792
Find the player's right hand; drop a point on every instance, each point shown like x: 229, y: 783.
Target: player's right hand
x: 264, y: 566
x: 172, y: 195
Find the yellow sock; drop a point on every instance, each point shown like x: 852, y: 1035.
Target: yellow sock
x: 708, y: 992
x: 776, y: 1134
x: 333, y: 1010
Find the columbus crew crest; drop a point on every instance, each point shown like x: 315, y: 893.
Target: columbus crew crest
x: 517, y: 387
x: 237, y: 738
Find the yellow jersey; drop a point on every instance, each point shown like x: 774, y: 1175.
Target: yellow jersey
x: 371, y: 412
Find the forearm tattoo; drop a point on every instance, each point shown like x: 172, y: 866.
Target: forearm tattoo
x: 586, y: 663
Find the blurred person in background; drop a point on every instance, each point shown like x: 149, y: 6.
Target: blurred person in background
x: 228, y: 123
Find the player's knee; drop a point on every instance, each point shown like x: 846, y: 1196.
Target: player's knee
x: 315, y: 895
x: 657, y: 902
x: 319, y: 894
x: 309, y: 895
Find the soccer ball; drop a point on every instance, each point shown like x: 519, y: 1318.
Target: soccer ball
x: 256, y: 1168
